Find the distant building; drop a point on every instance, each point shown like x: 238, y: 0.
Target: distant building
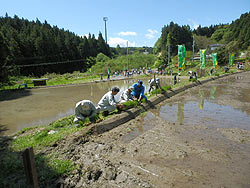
x: 214, y: 46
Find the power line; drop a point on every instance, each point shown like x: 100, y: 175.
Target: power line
x: 50, y: 63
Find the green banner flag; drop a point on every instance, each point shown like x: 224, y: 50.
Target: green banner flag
x: 184, y: 55
x: 215, y: 61
x: 231, y: 59
x: 203, y: 58
x: 181, y: 57
x: 108, y: 70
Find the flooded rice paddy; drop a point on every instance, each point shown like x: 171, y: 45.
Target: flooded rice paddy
x: 218, y: 104
x: 40, y: 106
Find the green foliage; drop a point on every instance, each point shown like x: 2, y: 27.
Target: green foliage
x: 27, y: 81
x: 42, y: 136
x: 130, y: 104
x: 57, y: 166
x: 10, y: 164
x: 157, y: 63
x: 222, y: 55
x: 233, y: 47
x: 219, y: 34
x: 24, y: 42
x: 201, y: 42
x: 238, y: 30
x: 168, y: 87
x: 236, y: 36
x: 162, y: 90
x: 64, y: 122
x: 192, y: 80
x: 174, y: 34
x: 120, y: 63
x: 204, y: 31
x: 157, y: 91
x: 4, y: 59
x: 102, y: 57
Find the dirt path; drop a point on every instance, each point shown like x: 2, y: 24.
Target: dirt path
x: 149, y: 151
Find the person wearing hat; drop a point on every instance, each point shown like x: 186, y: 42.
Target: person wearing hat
x: 154, y: 83
x: 107, y: 103
x: 138, y: 92
x: 83, y: 109
x: 126, y: 95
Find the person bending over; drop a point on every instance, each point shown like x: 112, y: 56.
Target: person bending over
x: 126, y: 95
x: 84, y: 109
x: 138, y: 92
x: 154, y: 84
x: 107, y: 103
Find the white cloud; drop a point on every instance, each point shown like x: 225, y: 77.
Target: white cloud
x: 113, y: 42
x: 86, y: 35
x: 151, y: 34
x: 195, y: 24
x: 127, y: 33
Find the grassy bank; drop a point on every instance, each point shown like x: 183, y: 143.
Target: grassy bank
x: 53, y: 79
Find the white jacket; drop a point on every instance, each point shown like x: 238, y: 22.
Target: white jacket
x: 107, y: 100
x: 85, y: 108
x: 126, y: 96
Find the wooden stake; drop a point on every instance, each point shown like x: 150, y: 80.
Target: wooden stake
x: 29, y: 167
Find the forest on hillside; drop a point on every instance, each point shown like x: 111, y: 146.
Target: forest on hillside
x: 24, y: 43
x: 234, y: 37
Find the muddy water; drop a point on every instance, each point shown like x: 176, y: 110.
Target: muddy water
x: 219, y: 104
x: 41, y: 106
x: 199, y: 138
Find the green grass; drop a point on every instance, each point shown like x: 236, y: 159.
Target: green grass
x: 57, y: 166
x: 38, y: 137
x: 47, y: 167
x: 130, y: 104
x: 53, y: 79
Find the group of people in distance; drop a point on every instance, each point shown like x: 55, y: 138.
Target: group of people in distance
x: 107, y: 104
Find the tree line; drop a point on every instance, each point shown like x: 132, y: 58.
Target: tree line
x: 24, y: 43
x: 234, y: 37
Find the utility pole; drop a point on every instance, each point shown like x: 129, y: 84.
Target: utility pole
x: 168, y: 54
x: 127, y: 55
x: 105, y: 19
x: 193, y: 49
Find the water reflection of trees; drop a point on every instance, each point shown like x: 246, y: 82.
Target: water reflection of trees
x: 180, y: 113
x: 14, y: 94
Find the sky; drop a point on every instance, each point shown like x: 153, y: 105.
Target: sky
x: 134, y: 22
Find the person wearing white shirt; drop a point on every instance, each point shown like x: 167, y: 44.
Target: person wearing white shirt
x: 83, y: 109
x: 107, y: 103
x: 154, y: 83
x: 126, y: 95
